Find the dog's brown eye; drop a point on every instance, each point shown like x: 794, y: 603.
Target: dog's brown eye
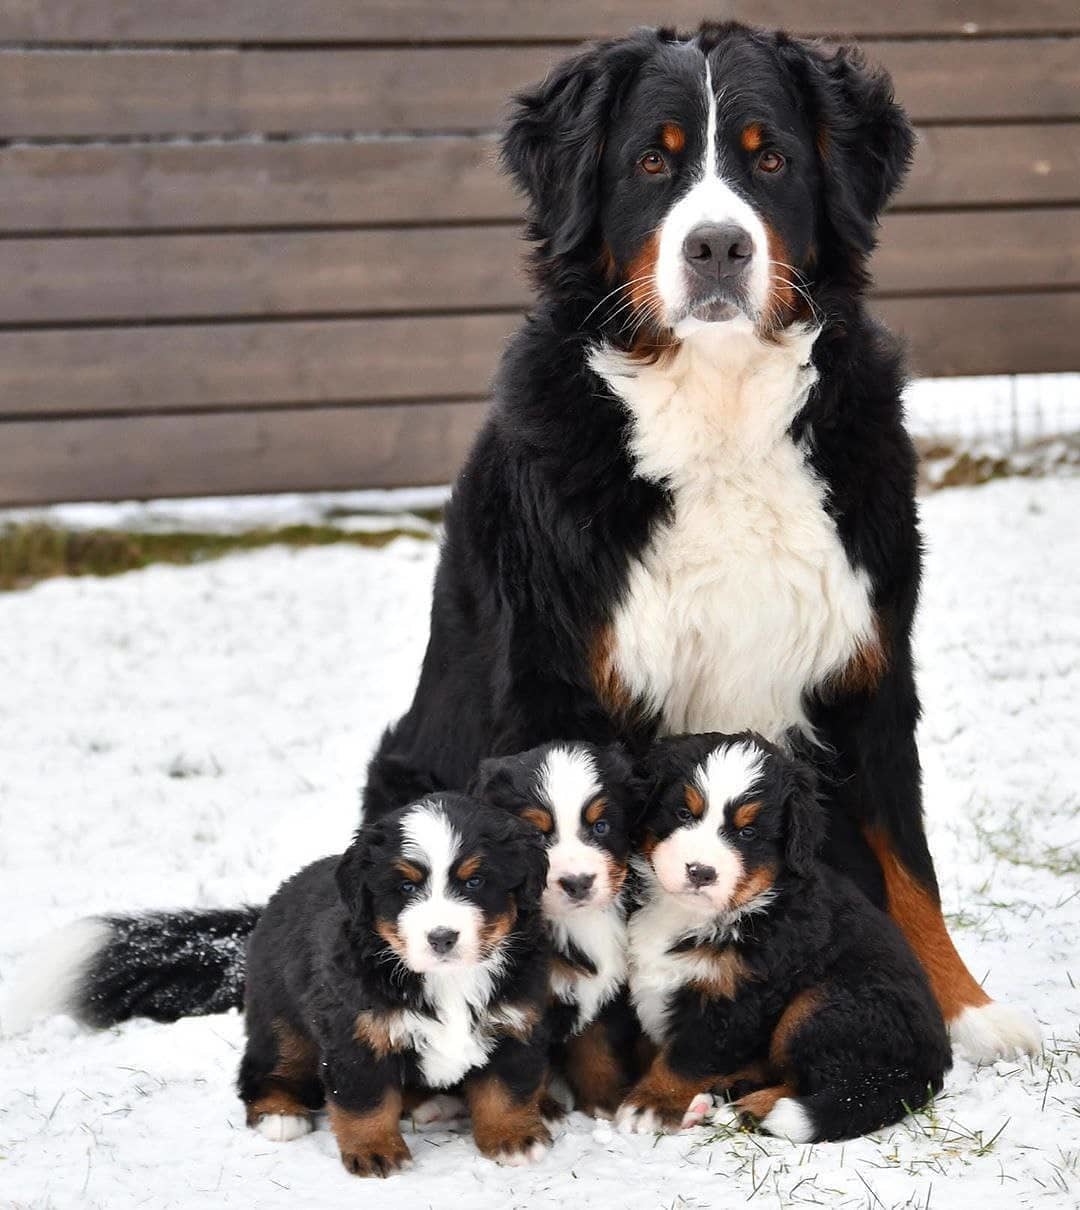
x: 770, y: 161
x: 653, y: 162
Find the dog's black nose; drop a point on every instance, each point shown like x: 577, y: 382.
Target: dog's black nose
x: 717, y: 251
x: 700, y: 875
x: 441, y: 940
x: 578, y: 886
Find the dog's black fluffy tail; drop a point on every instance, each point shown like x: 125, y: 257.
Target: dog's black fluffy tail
x: 162, y: 965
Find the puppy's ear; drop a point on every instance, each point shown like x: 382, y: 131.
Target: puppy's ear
x: 493, y: 781
x: 525, y: 861
x: 352, y: 870
x: 553, y: 144
x: 864, y: 138
x: 804, y: 818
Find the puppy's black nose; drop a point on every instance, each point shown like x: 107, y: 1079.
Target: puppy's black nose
x: 716, y: 251
x: 700, y: 875
x: 441, y: 940
x: 578, y: 887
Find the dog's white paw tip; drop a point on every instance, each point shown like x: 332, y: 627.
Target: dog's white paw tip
x: 632, y: 1119
x: 283, y: 1127
x: 532, y: 1154
x: 698, y: 1111
x: 987, y: 1032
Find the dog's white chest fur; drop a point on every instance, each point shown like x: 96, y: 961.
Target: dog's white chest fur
x: 745, y: 599
x: 601, y: 937
x: 460, y: 1036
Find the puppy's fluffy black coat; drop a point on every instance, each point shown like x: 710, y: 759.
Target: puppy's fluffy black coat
x: 759, y: 970
x: 415, y: 961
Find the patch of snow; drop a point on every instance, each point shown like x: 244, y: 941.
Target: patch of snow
x: 270, y: 675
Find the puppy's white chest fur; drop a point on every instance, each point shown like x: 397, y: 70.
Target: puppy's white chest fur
x: 601, y: 937
x: 460, y: 1036
x: 744, y: 599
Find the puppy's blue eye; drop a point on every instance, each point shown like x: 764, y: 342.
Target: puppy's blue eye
x: 474, y: 883
x: 601, y: 827
x: 684, y: 815
x: 407, y: 888
x: 747, y: 833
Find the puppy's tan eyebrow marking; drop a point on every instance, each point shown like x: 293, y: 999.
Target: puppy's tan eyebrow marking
x: 752, y: 137
x: 746, y: 814
x: 595, y: 809
x: 468, y: 867
x: 539, y: 818
x: 673, y: 137
x: 407, y: 870
x: 695, y: 802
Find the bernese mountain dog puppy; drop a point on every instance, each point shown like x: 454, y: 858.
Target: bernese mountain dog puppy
x: 415, y: 962
x: 692, y: 505
x: 758, y: 970
x: 579, y: 797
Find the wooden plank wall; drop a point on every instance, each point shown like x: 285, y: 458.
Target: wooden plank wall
x: 259, y: 246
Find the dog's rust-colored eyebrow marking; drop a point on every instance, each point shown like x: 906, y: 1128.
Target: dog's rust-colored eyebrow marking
x: 695, y: 801
x: 468, y: 867
x: 673, y: 137
x: 539, y: 818
x: 407, y: 870
x: 752, y: 137
x: 595, y: 809
x: 746, y: 814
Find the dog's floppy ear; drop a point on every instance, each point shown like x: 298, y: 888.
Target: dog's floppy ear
x: 864, y: 138
x: 494, y: 781
x: 524, y: 859
x: 352, y: 869
x: 553, y: 144
x: 804, y: 818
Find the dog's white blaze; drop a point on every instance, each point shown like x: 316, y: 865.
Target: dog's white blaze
x: 568, y: 781
x: 710, y: 200
x: 745, y: 599
x: 429, y: 838
x: 728, y: 773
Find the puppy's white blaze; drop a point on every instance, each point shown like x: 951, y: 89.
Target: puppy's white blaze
x: 50, y: 978
x: 788, y: 1119
x: 283, y: 1127
x: 567, y: 781
x: 429, y: 838
x: 994, y: 1031
x: 710, y: 200
x: 726, y: 774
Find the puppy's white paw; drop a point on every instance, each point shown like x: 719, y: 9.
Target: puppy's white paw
x: 633, y: 1119
x: 530, y: 1154
x: 698, y: 1111
x: 995, y: 1031
x: 440, y: 1108
x: 282, y: 1127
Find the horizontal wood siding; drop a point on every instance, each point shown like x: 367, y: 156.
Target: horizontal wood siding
x: 259, y: 246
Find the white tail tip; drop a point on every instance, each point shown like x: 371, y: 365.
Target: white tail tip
x: 50, y: 977
x: 789, y: 1120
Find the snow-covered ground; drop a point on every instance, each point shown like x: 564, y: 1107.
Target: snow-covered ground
x: 190, y: 736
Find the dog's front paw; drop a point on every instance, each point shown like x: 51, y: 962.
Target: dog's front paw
x: 643, y: 1114
x: 381, y: 1159
x: 283, y: 1127
x: 518, y: 1150
x: 985, y: 1032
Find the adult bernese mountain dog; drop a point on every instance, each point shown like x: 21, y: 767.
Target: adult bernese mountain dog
x: 757, y: 969
x: 691, y: 507
x: 416, y: 961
